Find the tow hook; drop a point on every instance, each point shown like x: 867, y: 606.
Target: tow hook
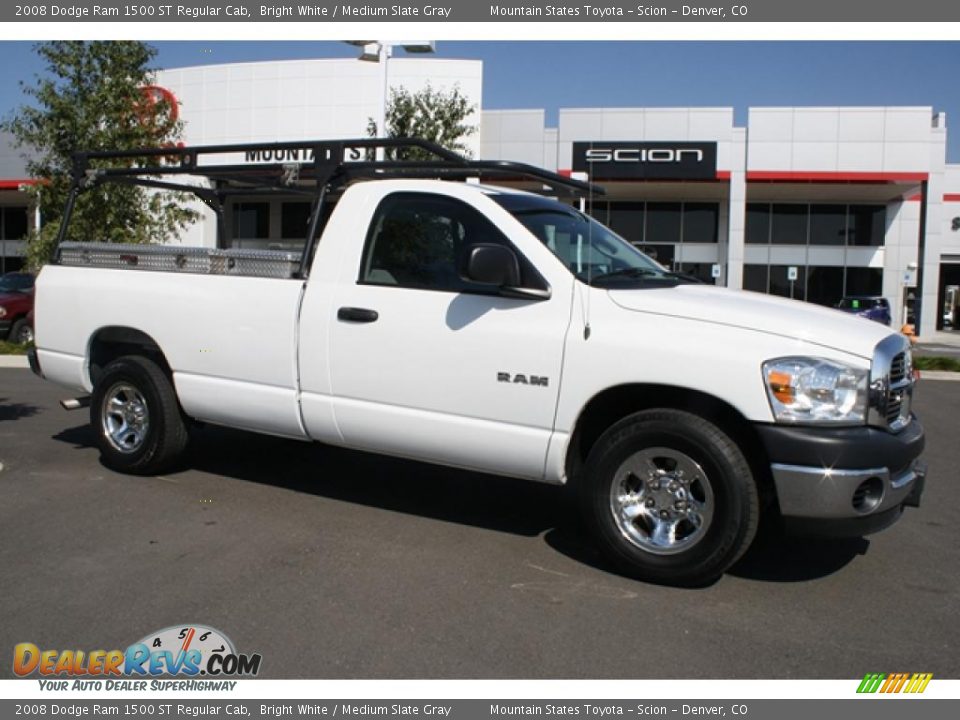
x: 913, y: 499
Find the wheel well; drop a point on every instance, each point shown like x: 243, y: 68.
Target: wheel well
x: 616, y: 403
x: 110, y: 343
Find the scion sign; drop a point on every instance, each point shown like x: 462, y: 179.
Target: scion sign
x: 646, y: 160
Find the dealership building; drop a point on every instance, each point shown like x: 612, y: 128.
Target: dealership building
x: 813, y: 203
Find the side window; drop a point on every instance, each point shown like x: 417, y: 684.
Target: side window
x: 416, y: 240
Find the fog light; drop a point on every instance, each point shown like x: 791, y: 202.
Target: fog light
x: 868, y: 495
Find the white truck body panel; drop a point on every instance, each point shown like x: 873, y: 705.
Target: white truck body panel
x: 421, y: 382
x: 230, y: 341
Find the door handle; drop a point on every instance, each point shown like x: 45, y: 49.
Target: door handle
x: 357, y: 315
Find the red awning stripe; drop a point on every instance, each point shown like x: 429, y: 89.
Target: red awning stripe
x: 15, y: 184
x: 833, y: 177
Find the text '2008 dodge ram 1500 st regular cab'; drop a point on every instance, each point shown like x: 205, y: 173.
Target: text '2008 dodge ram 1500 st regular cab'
x: 481, y: 326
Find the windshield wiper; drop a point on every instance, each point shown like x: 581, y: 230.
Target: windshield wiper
x: 629, y: 273
x: 685, y: 277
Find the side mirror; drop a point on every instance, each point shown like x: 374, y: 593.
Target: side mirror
x: 488, y: 264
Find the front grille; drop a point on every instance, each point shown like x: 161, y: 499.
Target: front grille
x: 897, y: 408
x: 898, y: 368
x: 891, y: 384
x: 894, y: 406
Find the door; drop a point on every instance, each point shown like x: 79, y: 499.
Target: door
x: 426, y: 365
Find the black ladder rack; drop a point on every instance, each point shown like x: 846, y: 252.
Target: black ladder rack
x: 328, y: 165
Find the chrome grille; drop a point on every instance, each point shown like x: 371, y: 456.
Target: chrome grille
x: 894, y: 406
x: 896, y: 395
x: 891, y: 384
x: 898, y: 368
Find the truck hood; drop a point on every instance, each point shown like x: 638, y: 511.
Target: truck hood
x: 760, y: 313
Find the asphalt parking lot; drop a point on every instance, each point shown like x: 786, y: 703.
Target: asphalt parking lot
x: 336, y: 564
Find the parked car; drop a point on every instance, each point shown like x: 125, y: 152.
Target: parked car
x: 482, y: 327
x: 871, y: 307
x: 16, y: 302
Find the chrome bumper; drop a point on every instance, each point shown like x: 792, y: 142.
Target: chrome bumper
x: 823, y: 493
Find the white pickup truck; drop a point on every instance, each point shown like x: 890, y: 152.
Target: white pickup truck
x: 480, y: 326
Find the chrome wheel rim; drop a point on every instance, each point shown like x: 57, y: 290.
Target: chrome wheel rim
x: 661, y: 500
x: 125, y: 417
x: 25, y: 335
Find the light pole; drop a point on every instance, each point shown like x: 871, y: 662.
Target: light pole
x: 380, y: 51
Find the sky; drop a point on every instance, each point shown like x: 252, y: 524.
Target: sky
x: 553, y: 75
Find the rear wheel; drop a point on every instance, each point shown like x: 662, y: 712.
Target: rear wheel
x: 670, y: 497
x: 136, y: 417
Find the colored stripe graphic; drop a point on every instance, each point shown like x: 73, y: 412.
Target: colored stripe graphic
x: 919, y: 682
x: 871, y: 681
x: 894, y: 683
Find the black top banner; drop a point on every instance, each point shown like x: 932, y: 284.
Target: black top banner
x: 474, y: 11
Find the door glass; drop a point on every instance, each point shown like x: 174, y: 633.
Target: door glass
x: 417, y: 240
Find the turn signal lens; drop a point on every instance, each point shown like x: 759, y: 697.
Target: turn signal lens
x: 780, y: 386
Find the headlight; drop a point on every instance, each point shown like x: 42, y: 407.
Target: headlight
x: 3, y: 311
x: 815, y: 391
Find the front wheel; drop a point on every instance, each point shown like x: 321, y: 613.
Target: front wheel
x: 136, y: 417
x: 670, y: 497
x: 21, y: 333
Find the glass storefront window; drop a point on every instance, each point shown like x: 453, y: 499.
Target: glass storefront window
x: 868, y: 224
x: 294, y: 219
x: 250, y: 221
x: 824, y: 285
x: 828, y: 224
x: 14, y: 225
x: 755, y: 278
x: 701, y: 271
x: 598, y: 211
x: 660, y: 223
x: 780, y: 285
x: 663, y: 223
x: 663, y: 254
x: 758, y: 223
x: 700, y: 222
x: 789, y: 225
x: 626, y: 220
x: 864, y: 281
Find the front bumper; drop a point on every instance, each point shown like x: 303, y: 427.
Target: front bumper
x: 849, y: 481
x: 5, y: 326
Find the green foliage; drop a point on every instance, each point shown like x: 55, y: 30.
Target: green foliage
x: 92, y: 97
x: 9, y: 348
x: 440, y: 116
x: 936, y: 363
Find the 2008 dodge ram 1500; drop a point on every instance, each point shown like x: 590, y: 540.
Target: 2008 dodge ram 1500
x: 478, y: 326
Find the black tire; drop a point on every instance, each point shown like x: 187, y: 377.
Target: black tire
x: 136, y: 382
x: 625, y: 523
x: 21, y: 333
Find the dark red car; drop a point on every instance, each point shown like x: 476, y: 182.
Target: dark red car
x: 16, y: 302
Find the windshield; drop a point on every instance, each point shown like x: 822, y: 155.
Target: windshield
x: 592, y: 252
x: 15, y: 281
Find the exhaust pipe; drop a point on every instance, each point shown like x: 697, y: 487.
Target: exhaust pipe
x: 75, y: 403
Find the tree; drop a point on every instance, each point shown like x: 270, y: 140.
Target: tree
x: 436, y: 115
x: 96, y: 96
